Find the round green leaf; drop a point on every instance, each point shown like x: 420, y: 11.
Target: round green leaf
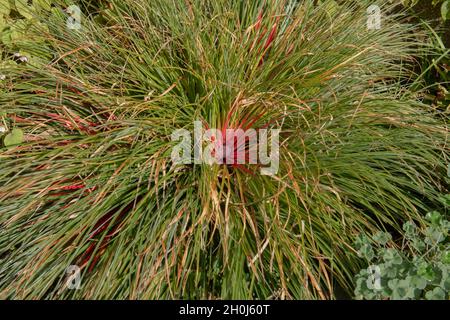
x: 418, y: 282
x: 366, y: 252
x: 436, y: 294
x: 434, y: 217
x: 14, y: 137
x: 392, y: 256
x: 382, y: 238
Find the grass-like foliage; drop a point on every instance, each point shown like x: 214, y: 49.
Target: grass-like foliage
x: 91, y: 182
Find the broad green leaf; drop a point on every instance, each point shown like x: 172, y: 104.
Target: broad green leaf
x: 14, y: 137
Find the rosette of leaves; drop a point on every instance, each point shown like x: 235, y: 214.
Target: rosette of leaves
x: 418, y: 269
x: 93, y: 183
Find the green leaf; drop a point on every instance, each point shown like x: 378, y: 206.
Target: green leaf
x: 24, y: 9
x: 418, y: 244
x: 392, y: 256
x: 445, y: 282
x: 434, y: 217
x: 42, y: 4
x: 410, y: 229
x: 445, y: 10
x: 5, y: 8
x: 446, y: 257
x: 425, y: 270
x: 433, y: 236
x: 6, y: 37
x: 382, y: 238
x: 13, y: 138
x: 361, y: 240
x: 418, y: 282
x: 367, y: 252
x: 436, y: 294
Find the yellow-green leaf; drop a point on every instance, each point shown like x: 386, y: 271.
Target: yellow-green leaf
x: 24, y: 9
x: 2, y: 23
x: 5, y: 8
x: 43, y: 4
x: 13, y: 138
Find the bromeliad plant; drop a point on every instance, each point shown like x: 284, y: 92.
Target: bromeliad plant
x: 91, y: 183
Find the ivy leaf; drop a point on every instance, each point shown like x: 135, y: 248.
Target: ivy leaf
x: 433, y: 236
x: 418, y: 244
x: 410, y: 229
x: 435, y: 294
x: 13, y: 138
x: 366, y: 252
x: 418, y: 282
x: 426, y: 271
x: 392, y: 256
x: 403, y: 289
x: 388, y: 270
x: 361, y: 240
x: 382, y: 238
